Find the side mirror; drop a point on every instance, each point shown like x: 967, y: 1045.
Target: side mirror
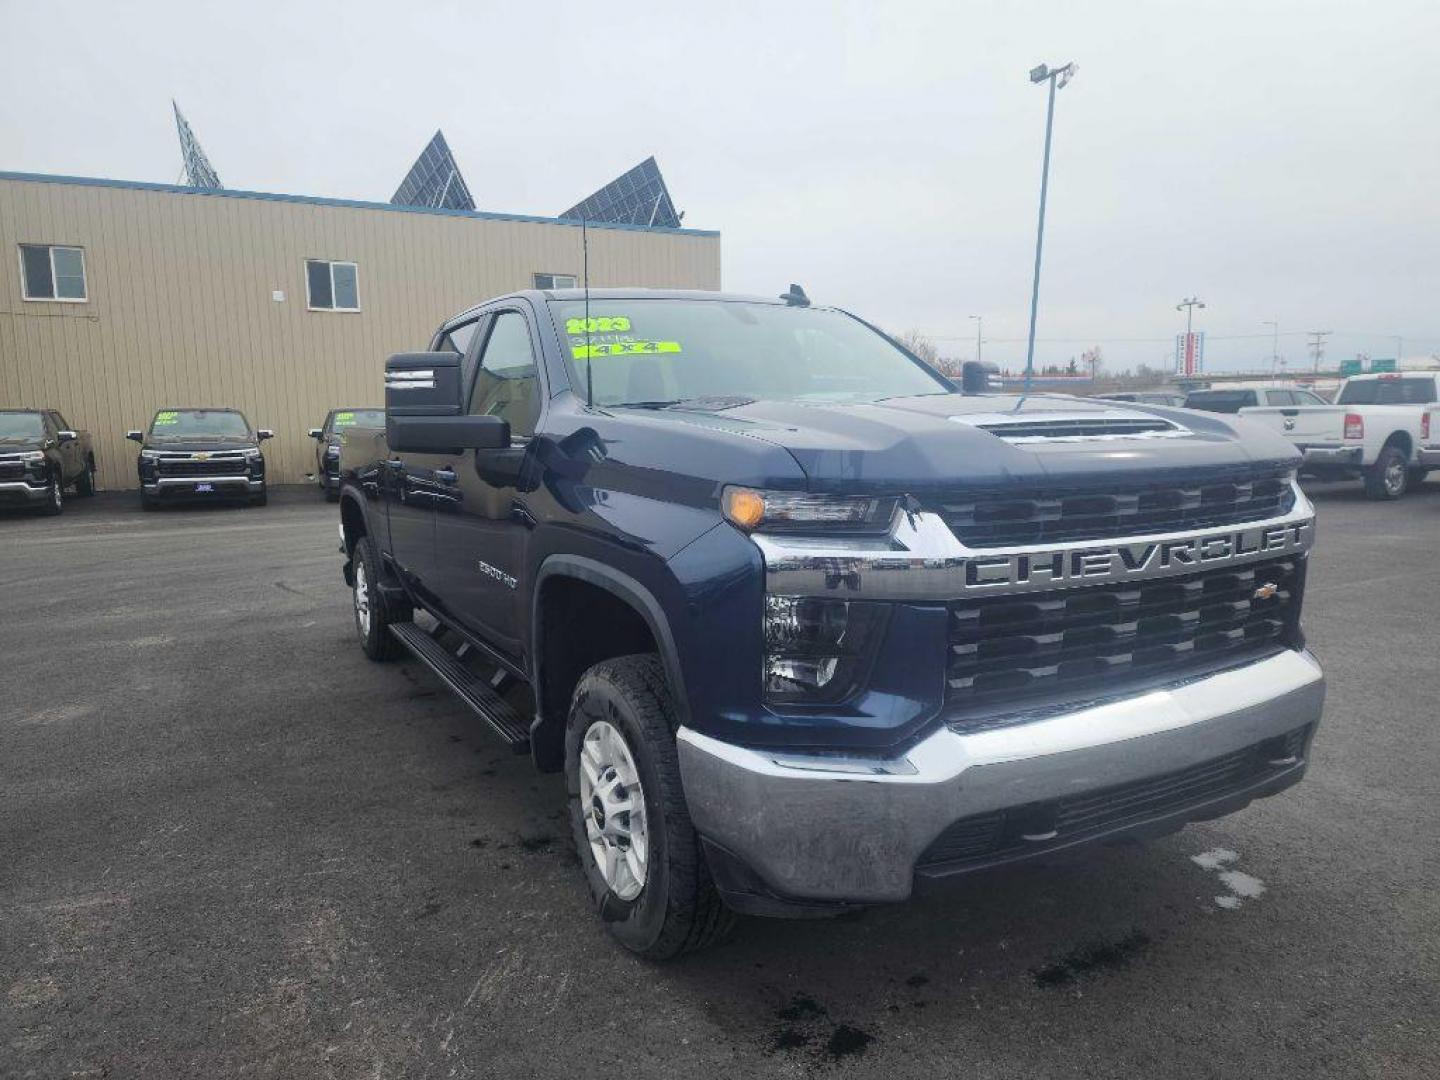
x: 316, y: 432
x: 135, y: 436
x: 446, y: 434
x: 264, y: 433
x: 423, y: 384
x: 978, y: 377
x: 66, y: 436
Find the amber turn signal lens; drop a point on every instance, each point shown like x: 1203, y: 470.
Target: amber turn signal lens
x: 744, y: 507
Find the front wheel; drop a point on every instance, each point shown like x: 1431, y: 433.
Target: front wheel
x: 1389, y: 477
x: 54, y: 495
x: 640, y: 854
x: 262, y: 498
x: 86, y: 484
x: 373, y: 612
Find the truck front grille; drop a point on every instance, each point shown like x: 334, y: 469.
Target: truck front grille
x: 1068, y: 645
x: 1036, y: 826
x: 226, y: 466
x: 12, y: 470
x: 1056, y: 515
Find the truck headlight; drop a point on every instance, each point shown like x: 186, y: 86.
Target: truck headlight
x: 32, y: 455
x: 817, y: 650
x: 799, y: 511
x: 150, y: 455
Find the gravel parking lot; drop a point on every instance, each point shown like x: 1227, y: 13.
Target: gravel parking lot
x: 232, y: 846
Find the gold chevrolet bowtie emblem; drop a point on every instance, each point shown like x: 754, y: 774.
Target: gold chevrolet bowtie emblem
x: 1266, y: 591
x: 202, y: 457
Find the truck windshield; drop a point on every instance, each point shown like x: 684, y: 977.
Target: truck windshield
x: 224, y: 423
x: 1388, y: 392
x: 21, y: 425
x: 348, y: 418
x: 662, y: 352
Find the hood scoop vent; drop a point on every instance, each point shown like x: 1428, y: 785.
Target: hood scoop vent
x: 1073, y: 427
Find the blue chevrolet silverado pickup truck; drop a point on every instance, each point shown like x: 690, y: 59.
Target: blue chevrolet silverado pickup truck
x: 806, y: 629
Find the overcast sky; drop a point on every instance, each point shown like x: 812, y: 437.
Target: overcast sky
x: 1280, y: 160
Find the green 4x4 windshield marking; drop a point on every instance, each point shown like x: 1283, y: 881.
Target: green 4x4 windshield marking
x: 623, y: 348
x: 167, y: 418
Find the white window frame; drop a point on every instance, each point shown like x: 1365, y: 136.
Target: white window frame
x: 574, y: 281
x: 331, y: 263
x: 50, y: 252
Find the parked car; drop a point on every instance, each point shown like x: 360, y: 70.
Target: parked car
x: 40, y: 456
x: 1146, y: 397
x: 1231, y: 399
x: 801, y: 625
x: 1373, y: 431
x: 190, y: 454
x: 328, y: 438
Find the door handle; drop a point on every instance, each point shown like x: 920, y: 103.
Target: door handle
x: 445, y: 476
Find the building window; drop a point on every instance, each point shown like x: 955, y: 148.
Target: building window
x: 334, y: 286
x: 555, y: 281
x: 50, y: 272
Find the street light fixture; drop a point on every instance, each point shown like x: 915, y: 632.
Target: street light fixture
x: 1056, y: 77
x: 979, y: 330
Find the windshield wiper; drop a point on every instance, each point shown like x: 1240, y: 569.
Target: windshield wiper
x: 708, y: 403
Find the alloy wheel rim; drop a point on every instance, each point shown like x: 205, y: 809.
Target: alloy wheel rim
x: 362, y: 600
x: 1395, y: 476
x: 57, y: 495
x: 613, y: 802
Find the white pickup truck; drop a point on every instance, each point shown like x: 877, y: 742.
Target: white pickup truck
x: 1373, y: 431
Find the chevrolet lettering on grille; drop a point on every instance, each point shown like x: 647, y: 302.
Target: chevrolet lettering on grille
x: 1112, y: 562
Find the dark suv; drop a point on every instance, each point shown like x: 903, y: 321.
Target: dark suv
x: 206, y: 454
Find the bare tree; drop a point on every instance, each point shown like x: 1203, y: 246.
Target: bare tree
x: 920, y: 345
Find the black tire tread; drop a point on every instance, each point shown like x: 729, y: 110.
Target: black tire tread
x: 382, y: 645
x: 696, y: 917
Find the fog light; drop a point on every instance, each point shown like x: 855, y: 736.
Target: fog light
x: 817, y: 650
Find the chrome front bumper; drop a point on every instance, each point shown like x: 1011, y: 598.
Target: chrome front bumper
x: 1344, y: 456
x: 230, y: 483
x: 10, y: 489
x: 833, y: 829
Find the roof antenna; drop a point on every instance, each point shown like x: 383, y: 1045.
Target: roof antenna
x: 585, y: 273
x: 795, y: 297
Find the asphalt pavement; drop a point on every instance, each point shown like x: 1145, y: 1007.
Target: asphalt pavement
x: 230, y: 846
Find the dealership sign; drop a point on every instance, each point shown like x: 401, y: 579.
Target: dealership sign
x: 1190, y: 353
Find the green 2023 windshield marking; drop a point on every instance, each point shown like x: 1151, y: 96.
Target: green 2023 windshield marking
x: 603, y: 324
x: 344, y: 418
x: 167, y: 418
x: 623, y: 348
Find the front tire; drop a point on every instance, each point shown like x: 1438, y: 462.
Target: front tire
x: 373, y: 612
x: 262, y: 498
x: 54, y: 495
x: 641, y: 855
x: 86, y: 484
x: 1389, y: 477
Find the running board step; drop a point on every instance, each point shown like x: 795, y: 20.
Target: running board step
x: 472, y: 689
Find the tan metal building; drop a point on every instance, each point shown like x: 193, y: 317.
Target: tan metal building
x: 121, y: 298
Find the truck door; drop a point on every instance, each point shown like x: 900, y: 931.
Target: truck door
x: 414, y: 485
x: 69, y: 451
x: 481, y: 520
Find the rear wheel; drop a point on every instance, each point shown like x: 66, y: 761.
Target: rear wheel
x: 86, y: 484
x: 373, y: 612
x: 640, y: 854
x: 1389, y: 477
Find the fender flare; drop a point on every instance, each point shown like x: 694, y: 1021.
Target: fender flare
x: 624, y: 587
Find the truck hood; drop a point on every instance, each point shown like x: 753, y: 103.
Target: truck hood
x: 948, y: 441
x: 19, y: 444
x: 201, y: 443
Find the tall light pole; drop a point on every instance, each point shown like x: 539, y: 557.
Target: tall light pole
x: 979, y: 331
x: 1188, y: 305
x: 1274, y: 344
x: 1057, y: 78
